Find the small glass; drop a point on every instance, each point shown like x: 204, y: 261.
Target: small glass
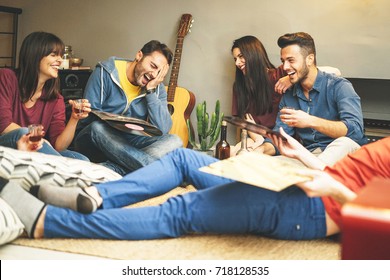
x: 35, y: 132
x: 78, y: 107
x: 284, y: 112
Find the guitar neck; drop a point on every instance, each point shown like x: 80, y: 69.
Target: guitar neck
x: 175, y: 69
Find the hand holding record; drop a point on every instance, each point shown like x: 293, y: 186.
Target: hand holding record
x: 289, y: 146
x: 256, y: 128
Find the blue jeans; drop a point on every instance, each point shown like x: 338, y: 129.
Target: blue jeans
x: 219, y: 206
x: 124, y: 152
x: 9, y: 140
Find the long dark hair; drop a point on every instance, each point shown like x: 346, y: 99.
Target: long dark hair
x: 34, y: 47
x: 254, y: 87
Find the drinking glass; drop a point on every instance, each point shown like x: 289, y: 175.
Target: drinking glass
x: 78, y: 107
x: 35, y: 132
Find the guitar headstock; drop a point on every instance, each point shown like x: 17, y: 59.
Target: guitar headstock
x: 185, y: 25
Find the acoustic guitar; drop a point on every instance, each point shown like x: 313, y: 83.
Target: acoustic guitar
x: 181, y: 102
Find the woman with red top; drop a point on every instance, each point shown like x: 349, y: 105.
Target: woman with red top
x: 30, y: 95
x: 309, y: 210
x: 254, y: 93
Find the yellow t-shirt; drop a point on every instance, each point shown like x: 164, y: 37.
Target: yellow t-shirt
x: 130, y: 90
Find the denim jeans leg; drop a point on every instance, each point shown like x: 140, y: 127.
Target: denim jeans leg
x: 125, y: 152
x: 73, y: 154
x: 230, y: 208
x: 83, y: 144
x: 160, y: 177
x: 9, y: 139
x: 222, y: 209
x: 159, y: 146
x: 118, y: 146
x: 300, y: 217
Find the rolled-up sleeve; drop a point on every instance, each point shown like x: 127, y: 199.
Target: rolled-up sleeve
x: 350, y: 110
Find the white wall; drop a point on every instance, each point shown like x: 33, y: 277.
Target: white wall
x: 353, y: 35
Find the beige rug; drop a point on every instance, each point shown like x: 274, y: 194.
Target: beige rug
x: 193, y: 247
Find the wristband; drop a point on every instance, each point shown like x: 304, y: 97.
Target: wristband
x: 149, y: 91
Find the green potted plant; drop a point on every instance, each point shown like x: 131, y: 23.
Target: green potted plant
x: 207, y: 133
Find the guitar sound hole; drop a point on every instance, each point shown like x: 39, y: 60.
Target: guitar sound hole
x: 171, y: 109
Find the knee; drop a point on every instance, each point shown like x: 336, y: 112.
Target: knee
x: 181, y: 152
x: 21, y: 131
x: 184, y: 155
x: 176, y: 141
x: 348, y: 143
x: 73, y: 154
x: 99, y: 130
x: 97, y: 127
x: 18, y: 133
x: 172, y: 141
x: 11, y: 138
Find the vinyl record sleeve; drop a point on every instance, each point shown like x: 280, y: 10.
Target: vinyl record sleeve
x: 264, y: 171
x: 128, y: 125
x: 253, y: 127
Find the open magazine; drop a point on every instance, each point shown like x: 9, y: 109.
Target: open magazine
x: 269, y: 172
x: 128, y: 124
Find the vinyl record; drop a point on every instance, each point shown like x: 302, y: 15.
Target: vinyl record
x: 253, y: 127
x: 127, y: 128
x: 129, y: 124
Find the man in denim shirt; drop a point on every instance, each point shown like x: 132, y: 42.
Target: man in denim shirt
x: 323, y: 111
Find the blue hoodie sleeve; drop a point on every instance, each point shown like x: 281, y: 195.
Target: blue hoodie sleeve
x: 158, y: 113
x: 93, y: 89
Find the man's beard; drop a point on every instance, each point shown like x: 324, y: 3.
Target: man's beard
x: 302, y: 75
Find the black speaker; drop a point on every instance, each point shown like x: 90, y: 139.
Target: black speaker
x: 72, y: 84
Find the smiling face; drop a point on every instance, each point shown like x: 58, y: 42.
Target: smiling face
x: 239, y: 60
x: 49, y: 65
x: 296, y: 64
x: 148, y: 67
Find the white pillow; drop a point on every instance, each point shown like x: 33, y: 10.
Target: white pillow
x: 10, y: 225
x: 31, y: 168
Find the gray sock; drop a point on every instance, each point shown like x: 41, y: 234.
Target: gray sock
x: 27, y: 207
x: 67, y: 197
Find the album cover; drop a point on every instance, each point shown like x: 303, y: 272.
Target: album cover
x: 270, y: 172
x: 253, y: 127
x: 128, y: 124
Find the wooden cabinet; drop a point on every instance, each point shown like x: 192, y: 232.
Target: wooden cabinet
x: 8, y: 35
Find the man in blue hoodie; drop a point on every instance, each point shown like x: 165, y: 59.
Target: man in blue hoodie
x: 132, y: 89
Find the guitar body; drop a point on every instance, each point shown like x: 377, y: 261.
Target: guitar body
x: 180, y: 109
x: 181, y: 102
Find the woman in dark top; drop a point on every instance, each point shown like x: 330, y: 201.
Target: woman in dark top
x: 254, y: 95
x: 30, y: 95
